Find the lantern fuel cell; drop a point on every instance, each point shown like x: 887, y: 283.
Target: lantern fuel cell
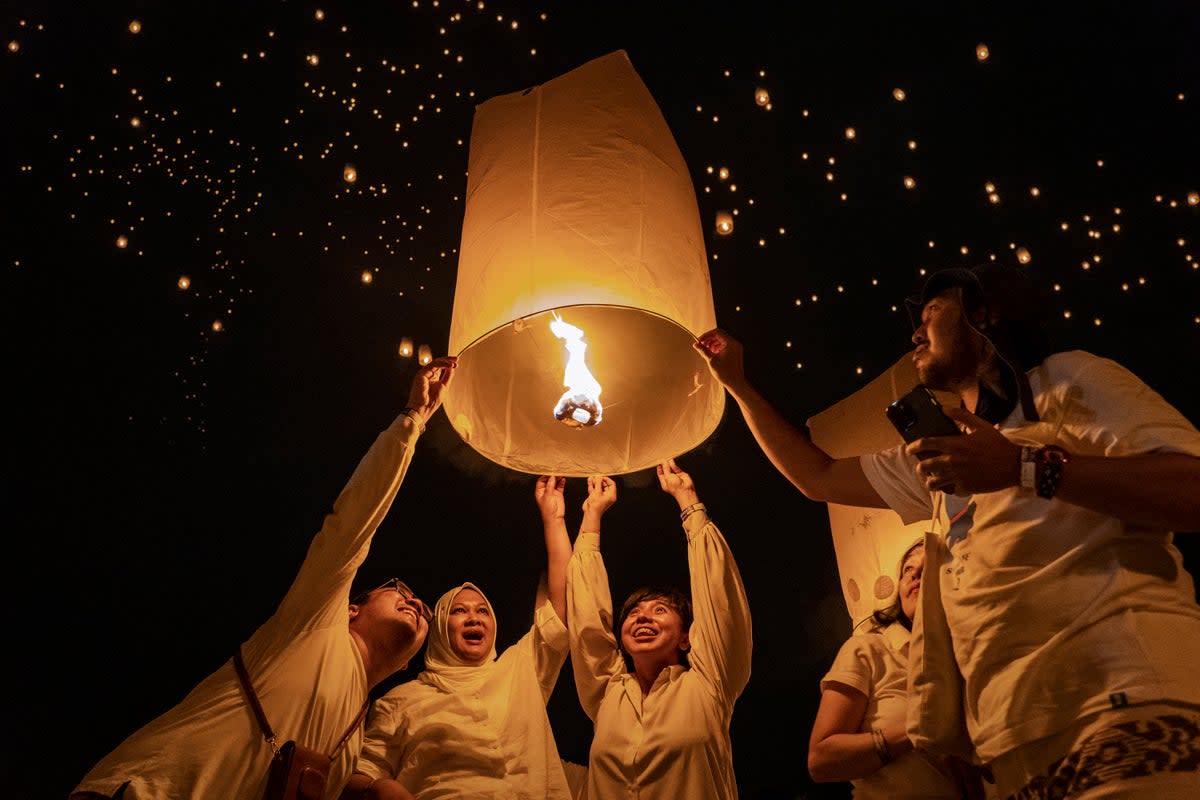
x: 580, y: 208
x: 580, y: 404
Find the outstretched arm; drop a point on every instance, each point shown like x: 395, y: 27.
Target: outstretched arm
x: 819, y: 476
x: 721, y: 635
x: 595, y: 657
x: 548, y: 492
x: 429, y: 386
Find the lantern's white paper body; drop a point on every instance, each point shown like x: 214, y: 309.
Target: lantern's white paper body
x: 579, y: 203
x: 868, y: 542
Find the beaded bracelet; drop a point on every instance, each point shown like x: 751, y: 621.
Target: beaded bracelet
x: 692, y: 509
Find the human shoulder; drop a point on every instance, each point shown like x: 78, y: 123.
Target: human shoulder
x: 1069, y: 364
x: 870, y: 643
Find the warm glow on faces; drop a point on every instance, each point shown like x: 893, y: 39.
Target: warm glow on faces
x: 471, y: 628
x: 946, y: 346
x: 910, y: 581
x: 388, y: 610
x: 654, y: 630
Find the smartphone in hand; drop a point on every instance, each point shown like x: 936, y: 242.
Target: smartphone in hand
x: 919, y: 414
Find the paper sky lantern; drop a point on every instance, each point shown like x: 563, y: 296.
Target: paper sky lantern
x: 580, y: 212
x: 867, y: 542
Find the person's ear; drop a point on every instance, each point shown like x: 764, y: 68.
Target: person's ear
x: 685, y: 644
x: 353, y: 611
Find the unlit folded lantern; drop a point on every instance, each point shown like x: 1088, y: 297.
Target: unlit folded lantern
x: 867, y: 542
x: 580, y: 208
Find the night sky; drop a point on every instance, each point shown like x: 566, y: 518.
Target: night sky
x: 204, y: 312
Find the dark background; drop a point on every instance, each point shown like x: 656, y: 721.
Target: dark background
x: 163, y: 479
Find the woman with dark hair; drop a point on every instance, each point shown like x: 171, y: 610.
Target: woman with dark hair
x: 661, y: 687
x: 860, y: 733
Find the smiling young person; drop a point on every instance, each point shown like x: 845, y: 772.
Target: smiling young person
x: 312, y: 664
x: 473, y: 725
x: 661, y: 688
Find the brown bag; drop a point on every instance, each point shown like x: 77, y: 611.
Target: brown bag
x: 296, y: 772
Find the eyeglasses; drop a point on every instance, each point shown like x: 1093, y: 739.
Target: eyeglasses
x: 400, y: 586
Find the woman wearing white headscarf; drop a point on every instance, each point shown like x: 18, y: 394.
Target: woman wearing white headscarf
x: 473, y: 725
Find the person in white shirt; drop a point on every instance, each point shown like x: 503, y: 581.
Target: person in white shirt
x: 1070, y: 615
x: 661, y: 687
x: 860, y: 732
x: 473, y: 726
x: 312, y: 664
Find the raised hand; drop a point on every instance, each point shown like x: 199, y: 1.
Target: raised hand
x: 724, y: 356
x: 677, y: 483
x: 548, y: 493
x: 429, y: 385
x: 602, y: 494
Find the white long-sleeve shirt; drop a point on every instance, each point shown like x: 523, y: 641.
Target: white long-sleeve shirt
x: 673, y: 742
x: 306, y: 668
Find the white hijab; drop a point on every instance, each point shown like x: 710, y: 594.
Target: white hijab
x: 444, y: 670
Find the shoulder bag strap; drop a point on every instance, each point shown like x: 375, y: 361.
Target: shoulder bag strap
x: 240, y: 666
x: 362, y: 712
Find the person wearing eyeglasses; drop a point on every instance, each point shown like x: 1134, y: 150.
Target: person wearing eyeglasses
x: 311, y: 665
x: 660, y: 679
x: 472, y: 725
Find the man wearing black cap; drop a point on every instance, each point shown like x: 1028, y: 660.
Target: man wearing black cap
x: 1072, y: 620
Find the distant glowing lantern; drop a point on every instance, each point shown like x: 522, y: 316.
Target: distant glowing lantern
x: 723, y: 173
x: 724, y: 223
x: 910, y: 182
x: 318, y: 15
x: 1193, y: 198
x: 406, y: 349
x: 13, y: 45
x: 349, y: 173
x: 899, y: 94
x: 122, y: 241
x: 366, y: 276
x: 313, y: 59
x: 217, y: 326
x: 981, y: 52
x: 762, y: 97
x: 851, y: 133
x: 424, y: 355
x: 1023, y: 255
x: 184, y: 282
x: 580, y: 214
x: 135, y: 122
x: 135, y: 26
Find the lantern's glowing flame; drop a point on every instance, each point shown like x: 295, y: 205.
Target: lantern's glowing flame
x: 580, y: 404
